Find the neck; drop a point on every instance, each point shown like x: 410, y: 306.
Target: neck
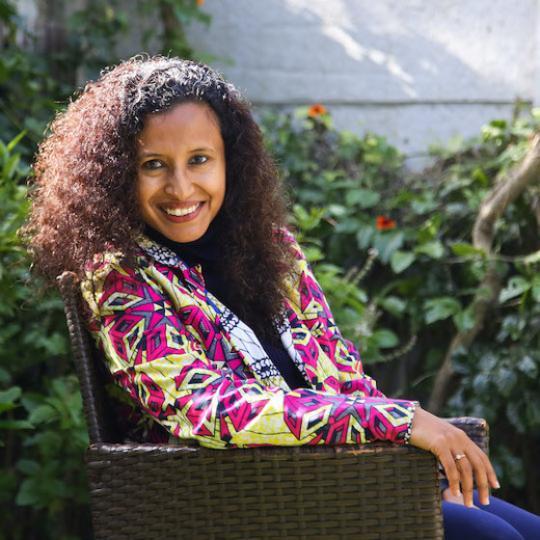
x: 209, y: 247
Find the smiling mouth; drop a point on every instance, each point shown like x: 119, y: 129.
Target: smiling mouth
x: 179, y: 212
x: 179, y: 215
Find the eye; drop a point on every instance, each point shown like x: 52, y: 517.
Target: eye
x: 198, y: 160
x: 152, y: 164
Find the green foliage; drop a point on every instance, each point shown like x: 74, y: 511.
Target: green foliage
x: 36, y: 82
x: 42, y: 431
x: 335, y: 180
x: 352, y: 196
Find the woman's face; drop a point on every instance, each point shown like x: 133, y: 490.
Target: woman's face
x: 181, y: 171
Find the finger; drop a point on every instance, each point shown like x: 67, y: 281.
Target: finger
x: 452, y: 474
x: 492, y: 475
x: 480, y: 474
x: 446, y: 495
x: 466, y: 478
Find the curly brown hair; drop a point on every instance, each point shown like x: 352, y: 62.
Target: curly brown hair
x: 84, y: 198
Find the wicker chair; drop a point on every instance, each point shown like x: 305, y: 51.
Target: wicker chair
x: 147, y: 491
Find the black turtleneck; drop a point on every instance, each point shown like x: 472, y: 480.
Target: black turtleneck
x: 209, y: 251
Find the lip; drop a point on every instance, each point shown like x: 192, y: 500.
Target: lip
x: 187, y: 217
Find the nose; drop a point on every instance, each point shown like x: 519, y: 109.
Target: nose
x: 179, y: 184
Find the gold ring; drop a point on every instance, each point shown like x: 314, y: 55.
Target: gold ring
x: 457, y: 457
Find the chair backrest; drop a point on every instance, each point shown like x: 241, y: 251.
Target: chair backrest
x: 102, y: 427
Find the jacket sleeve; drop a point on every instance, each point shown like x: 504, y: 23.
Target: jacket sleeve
x: 157, y: 358
x: 308, y: 296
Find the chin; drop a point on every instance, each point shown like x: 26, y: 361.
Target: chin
x: 184, y: 236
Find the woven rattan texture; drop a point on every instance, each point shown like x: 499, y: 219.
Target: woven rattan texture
x: 101, y: 423
x: 368, y: 493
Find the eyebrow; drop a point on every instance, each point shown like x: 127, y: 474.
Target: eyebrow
x: 201, y: 149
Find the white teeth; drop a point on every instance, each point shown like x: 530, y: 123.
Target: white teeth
x: 181, y: 212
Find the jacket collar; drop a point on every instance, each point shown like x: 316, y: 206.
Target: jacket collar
x: 164, y: 255
x: 295, y: 336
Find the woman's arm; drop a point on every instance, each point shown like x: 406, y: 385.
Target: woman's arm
x: 427, y: 431
x: 160, y: 362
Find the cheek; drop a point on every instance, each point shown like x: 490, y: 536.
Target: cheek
x: 143, y: 194
x: 221, y: 186
x: 219, y: 193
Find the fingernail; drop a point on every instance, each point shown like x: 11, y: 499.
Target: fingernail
x: 497, y: 485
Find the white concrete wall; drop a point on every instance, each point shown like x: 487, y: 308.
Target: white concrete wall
x: 417, y: 71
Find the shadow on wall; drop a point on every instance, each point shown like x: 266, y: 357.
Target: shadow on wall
x: 389, y: 65
x: 352, y: 51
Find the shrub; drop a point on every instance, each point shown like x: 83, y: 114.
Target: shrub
x: 353, y: 199
x: 42, y: 430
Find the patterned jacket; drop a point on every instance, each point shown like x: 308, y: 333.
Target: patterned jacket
x: 190, y: 365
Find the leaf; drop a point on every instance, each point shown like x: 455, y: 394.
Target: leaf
x: 533, y: 411
x: 16, y: 424
x: 423, y: 206
x: 516, y: 286
x: 43, y: 413
x: 9, y: 396
x: 308, y: 220
x: 5, y: 377
x: 337, y: 210
x: 528, y: 366
x: 514, y: 417
x: 364, y: 235
x: 532, y: 258
x: 505, y: 379
x: 434, y: 249
x: 536, y: 288
x: 313, y: 253
x: 365, y: 198
x: 10, y: 166
x: 15, y: 141
x: 464, y: 320
x: 480, y: 383
x: 28, y: 494
x: 27, y: 466
x: 401, y: 260
x: 438, y: 309
x: 385, y: 339
x: 387, y: 243
x: 463, y: 249
x: 393, y: 305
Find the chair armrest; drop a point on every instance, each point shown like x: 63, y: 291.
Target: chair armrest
x: 352, y: 491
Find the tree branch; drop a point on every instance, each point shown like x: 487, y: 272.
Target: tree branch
x: 487, y: 294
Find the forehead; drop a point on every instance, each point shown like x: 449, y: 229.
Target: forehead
x: 184, y: 124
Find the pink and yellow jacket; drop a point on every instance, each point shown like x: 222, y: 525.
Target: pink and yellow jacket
x: 197, y: 372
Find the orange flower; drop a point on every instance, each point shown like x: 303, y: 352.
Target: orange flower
x: 200, y: 2
x: 318, y: 109
x: 384, y: 223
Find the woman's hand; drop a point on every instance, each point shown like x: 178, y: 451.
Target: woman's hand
x: 459, y: 456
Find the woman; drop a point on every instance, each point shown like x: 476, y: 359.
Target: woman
x: 210, y: 319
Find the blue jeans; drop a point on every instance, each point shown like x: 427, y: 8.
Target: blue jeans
x: 497, y: 521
